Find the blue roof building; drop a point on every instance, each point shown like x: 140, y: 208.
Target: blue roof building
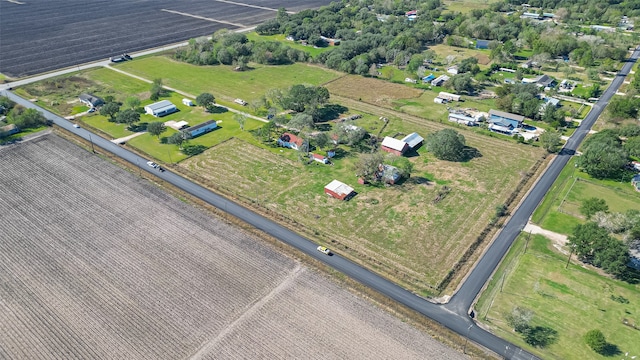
x: 505, y: 119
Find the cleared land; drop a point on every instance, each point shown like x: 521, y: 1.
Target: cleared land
x: 570, y: 301
x: 97, y: 263
x: 40, y: 35
x: 400, y: 230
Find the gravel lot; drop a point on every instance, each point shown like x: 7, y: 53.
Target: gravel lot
x: 43, y: 35
x: 97, y: 263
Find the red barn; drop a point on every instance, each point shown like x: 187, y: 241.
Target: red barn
x: 339, y: 190
x: 394, y: 146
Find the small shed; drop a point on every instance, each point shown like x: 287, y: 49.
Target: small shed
x: 188, y: 102
x: 449, y: 96
x: 203, y: 128
x: 320, y: 158
x: 439, y: 80
x: 9, y: 129
x: 428, y: 78
x: 161, y: 108
x: 413, y: 140
x: 339, y: 190
x: 462, y: 119
x: 482, y: 44
x: 453, y: 70
x: 439, y: 100
x: 394, y: 146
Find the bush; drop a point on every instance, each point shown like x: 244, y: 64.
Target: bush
x: 191, y: 150
x: 596, y: 340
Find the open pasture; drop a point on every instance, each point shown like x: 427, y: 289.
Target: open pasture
x: 396, y: 230
x: 222, y: 81
x: 570, y: 300
x: 98, y: 263
x: 41, y: 35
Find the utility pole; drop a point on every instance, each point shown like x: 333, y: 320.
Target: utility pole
x: 464, y: 349
x: 526, y: 244
x: 91, y: 140
x: 569, y: 258
x: 169, y: 153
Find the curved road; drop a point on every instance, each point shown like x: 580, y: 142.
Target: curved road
x: 453, y: 315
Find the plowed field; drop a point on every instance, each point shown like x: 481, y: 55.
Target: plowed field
x: 98, y: 263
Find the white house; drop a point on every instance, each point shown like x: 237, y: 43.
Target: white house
x: 161, y: 108
x: 453, y: 70
x: 439, y: 80
x: 203, y: 128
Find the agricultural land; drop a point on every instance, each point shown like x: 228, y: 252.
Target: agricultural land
x: 99, y: 263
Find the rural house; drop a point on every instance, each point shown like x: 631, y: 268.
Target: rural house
x: 453, y: 70
x: 504, y: 122
x: 394, y: 146
x: 161, y: 108
x: 635, y: 181
x: 90, y: 100
x: 203, y: 128
x: 291, y: 141
x: 413, y: 140
x: 339, y: 190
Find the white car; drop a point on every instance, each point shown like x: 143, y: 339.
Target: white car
x: 76, y: 126
x: 324, y: 250
x: 152, y: 164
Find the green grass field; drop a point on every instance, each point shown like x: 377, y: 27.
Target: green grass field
x: 465, y: 6
x: 253, y: 36
x: 570, y: 301
x: 222, y: 81
x: 560, y: 209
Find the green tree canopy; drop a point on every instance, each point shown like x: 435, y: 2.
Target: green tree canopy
x: 602, y: 160
x: 593, y: 245
x: 591, y: 206
x: 446, y: 144
x: 156, y: 128
x: 157, y: 89
x: 205, y: 100
x: 132, y: 102
x: 128, y: 117
x: 550, y: 141
x: 301, y: 121
x: 110, y: 109
x: 596, y: 340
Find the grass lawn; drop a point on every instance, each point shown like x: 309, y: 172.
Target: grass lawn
x: 570, y: 301
x: 443, y: 51
x: 120, y: 86
x: 222, y: 81
x: 102, y: 123
x: 465, y: 6
x: 560, y: 209
x: 580, y: 109
x: 3, y: 78
x: 253, y: 36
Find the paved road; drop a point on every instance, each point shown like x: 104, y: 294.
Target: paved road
x: 453, y: 315
x: 467, y: 293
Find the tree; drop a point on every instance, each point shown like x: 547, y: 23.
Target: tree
x: 132, y: 102
x: 593, y: 245
x: 593, y: 205
x: 519, y: 319
x: 632, y: 146
x: 550, y: 141
x: 26, y: 118
x: 446, y: 144
x: 241, y: 119
x: 176, y: 139
x: 404, y: 165
x: 602, y: 160
x: 596, y: 340
x: 205, y: 100
x: 156, y: 128
x: 321, y: 140
x: 300, y: 121
x: 368, y: 165
x: 156, y: 89
x: 300, y: 98
x: 128, y: 117
x: 110, y: 109
x: 463, y: 83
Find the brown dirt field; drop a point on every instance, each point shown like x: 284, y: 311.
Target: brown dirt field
x: 370, y: 89
x: 96, y: 262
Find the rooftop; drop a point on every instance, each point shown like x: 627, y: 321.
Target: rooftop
x: 199, y: 126
x: 339, y: 188
x: 506, y: 115
x: 160, y: 105
x: 392, y: 143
